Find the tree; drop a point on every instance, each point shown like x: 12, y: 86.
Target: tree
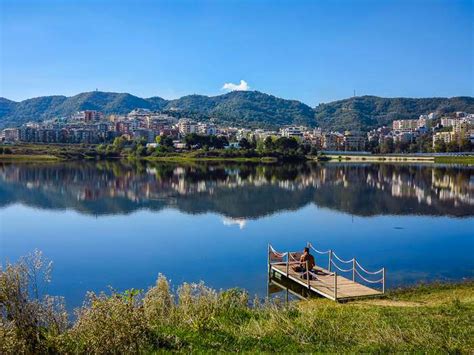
x: 440, y: 146
x: 119, y: 142
x: 166, y: 141
x: 452, y: 146
x: 284, y: 143
x: 387, y: 146
x: 244, y: 143
x: 465, y: 145
x: 253, y: 142
x: 268, y: 143
x: 140, y: 151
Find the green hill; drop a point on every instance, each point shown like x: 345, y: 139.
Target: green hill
x: 251, y: 108
x: 246, y: 108
x: 366, y: 112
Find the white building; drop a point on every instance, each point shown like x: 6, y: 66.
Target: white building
x: 10, y: 134
x: 186, y: 126
x: 88, y: 116
x: 296, y: 132
x: 208, y: 129
x: 405, y: 125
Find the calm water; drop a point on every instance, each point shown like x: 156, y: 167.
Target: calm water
x: 120, y: 225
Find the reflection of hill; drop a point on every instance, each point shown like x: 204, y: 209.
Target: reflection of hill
x: 240, y: 191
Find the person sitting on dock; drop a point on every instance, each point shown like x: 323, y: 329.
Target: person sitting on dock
x: 305, y: 257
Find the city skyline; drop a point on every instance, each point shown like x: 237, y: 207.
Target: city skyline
x: 305, y: 51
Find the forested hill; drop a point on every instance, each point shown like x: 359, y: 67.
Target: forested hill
x: 366, y: 112
x: 246, y: 108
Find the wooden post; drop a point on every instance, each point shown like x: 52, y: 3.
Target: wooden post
x: 269, y: 262
x: 287, y: 263
x: 354, y: 269
x: 383, y: 282
x: 335, y: 286
x: 307, y: 274
x: 330, y: 260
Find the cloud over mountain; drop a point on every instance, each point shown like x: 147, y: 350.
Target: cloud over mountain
x: 243, y: 86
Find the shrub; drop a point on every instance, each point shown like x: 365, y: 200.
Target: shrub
x: 114, y: 323
x: 30, y: 319
x: 197, y: 306
x: 159, y: 303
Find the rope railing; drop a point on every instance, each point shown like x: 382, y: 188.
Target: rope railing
x: 318, y: 251
x: 339, y: 268
x: 369, y: 281
x: 276, y: 253
x: 292, y: 258
x: 342, y: 260
x: 368, y: 272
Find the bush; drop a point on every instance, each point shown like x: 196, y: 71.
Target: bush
x: 114, y: 323
x: 30, y: 319
x: 159, y: 303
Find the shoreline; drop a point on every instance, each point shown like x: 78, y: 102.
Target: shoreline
x: 465, y: 160
x: 63, y: 152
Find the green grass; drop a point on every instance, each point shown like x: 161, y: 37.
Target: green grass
x: 469, y: 160
x: 426, y: 318
x: 28, y: 158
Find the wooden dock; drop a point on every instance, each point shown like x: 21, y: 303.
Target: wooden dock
x: 336, y: 282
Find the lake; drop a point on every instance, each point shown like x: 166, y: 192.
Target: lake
x: 121, y: 224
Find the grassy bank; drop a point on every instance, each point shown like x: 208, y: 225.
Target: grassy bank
x: 432, y: 318
x: 35, y: 152
x: 469, y: 160
x: 28, y: 158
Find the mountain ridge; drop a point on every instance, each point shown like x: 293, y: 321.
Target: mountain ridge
x: 244, y: 108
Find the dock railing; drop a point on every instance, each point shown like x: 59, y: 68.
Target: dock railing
x: 358, y: 272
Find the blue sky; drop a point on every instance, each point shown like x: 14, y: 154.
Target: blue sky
x: 313, y: 51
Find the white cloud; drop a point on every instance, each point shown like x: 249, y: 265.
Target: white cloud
x: 243, y: 86
x: 234, y: 221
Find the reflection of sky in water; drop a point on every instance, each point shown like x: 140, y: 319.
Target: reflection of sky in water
x: 121, y: 225
x: 129, y: 251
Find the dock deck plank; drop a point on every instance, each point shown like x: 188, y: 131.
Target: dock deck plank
x: 324, y: 284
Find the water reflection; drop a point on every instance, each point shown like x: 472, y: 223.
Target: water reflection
x: 240, y: 191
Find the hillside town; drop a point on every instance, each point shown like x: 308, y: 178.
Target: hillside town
x: 432, y: 132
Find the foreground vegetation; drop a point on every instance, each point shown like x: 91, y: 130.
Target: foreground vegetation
x: 435, y: 318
